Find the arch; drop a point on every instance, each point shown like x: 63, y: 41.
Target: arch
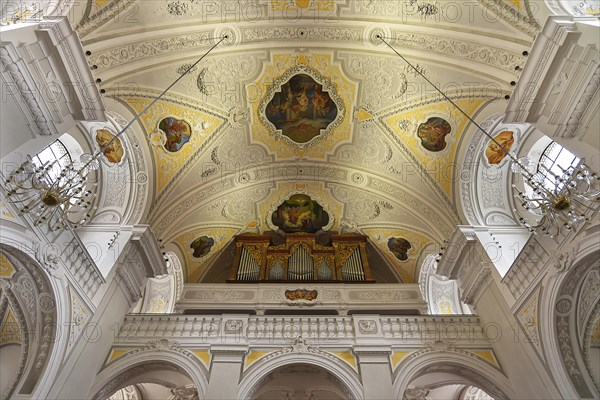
x: 580, y: 8
x: 124, y: 184
x: 462, y: 367
x: 31, y: 294
x: 485, y: 188
x: 557, y: 316
x: 256, y: 373
x: 123, y: 371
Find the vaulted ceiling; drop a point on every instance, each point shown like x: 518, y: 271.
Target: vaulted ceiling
x: 371, y: 165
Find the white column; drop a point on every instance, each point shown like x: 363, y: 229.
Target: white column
x: 225, y: 372
x: 376, y: 372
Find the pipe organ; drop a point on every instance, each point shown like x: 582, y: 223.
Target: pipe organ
x: 300, y: 259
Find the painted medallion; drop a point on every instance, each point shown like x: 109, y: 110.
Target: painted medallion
x: 301, y: 109
x: 300, y: 213
x: 114, y: 152
x: 433, y: 134
x: 177, y: 132
x: 399, y: 247
x: 494, y: 153
x: 201, y: 246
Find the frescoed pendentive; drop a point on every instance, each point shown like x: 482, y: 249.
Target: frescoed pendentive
x: 433, y: 134
x: 202, y: 246
x: 494, y: 153
x: 399, y: 247
x: 177, y: 132
x: 300, y: 213
x: 301, y: 109
x: 113, y: 152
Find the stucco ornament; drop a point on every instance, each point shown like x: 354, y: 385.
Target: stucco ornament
x: 415, y: 393
x: 233, y: 326
x: 185, y: 393
x: 564, y: 260
x: 48, y: 257
x: 367, y: 326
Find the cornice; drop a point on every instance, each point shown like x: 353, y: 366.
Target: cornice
x: 103, y: 16
x: 27, y: 90
x: 556, y: 34
x: 147, y: 245
x: 111, y: 53
x: 80, y: 79
x: 512, y: 16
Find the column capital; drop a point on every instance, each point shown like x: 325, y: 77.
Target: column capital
x: 229, y: 353
x: 373, y: 354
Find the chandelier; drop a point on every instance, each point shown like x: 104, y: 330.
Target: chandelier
x: 63, y: 196
x: 574, y: 197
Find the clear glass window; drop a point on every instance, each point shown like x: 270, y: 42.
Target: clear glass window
x: 55, y: 152
x: 555, y: 160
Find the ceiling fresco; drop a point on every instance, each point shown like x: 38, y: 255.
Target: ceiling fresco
x: 423, y: 130
x: 289, y: 143
x: 194, y: 265
x: 403, y: 259
x: 302, y: 99
x: 167, y: 162
x: 301, y: 109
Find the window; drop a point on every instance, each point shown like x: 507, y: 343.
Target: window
x: 55, y: 152
x: 555, y: 160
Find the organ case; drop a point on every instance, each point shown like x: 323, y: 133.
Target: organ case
x: 300, y: 259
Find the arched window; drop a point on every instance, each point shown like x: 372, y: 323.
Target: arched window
x: 56, y: 152
x: 554, y: 162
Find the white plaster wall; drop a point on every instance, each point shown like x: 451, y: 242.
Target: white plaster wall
x: 9, y: 359
x: 79, y: 372
x: 517, y: 358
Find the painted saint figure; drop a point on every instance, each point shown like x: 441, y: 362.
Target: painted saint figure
x: 177, y: 132
x: 300, y: 214
x: 201, y: 246
x: 400, y: 247
x: 114, y: 152
x: 433, y: 133
x: 494, y: 153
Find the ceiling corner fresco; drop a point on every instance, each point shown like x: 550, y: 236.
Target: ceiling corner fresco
x: 303, y: 105
x: 433, y: 133
x: 199, y: 247
x: 401, y: 247
x: 185, y: 130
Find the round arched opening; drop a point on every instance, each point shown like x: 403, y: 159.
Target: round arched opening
x: 449, y: 375
x: 154, y: 379
x: 299, y: 381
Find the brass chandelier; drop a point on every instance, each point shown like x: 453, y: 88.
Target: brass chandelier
x: 62, y: 197
x: 574, y: 198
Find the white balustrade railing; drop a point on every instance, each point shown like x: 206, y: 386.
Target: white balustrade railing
x: 251, y: 329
